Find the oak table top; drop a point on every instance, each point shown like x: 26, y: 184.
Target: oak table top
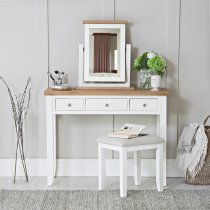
x: 105, y: 92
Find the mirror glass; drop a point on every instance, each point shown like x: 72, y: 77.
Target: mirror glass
x: 104, y: 54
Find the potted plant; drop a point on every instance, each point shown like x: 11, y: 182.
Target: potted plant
x: 152, y: 67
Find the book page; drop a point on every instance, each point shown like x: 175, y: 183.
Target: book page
x: 131, y: 129
x: 127, y: 131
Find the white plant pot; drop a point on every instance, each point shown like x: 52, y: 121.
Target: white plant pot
x: 155, y: 82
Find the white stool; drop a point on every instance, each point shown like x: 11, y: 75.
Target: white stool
x: 127, y: 145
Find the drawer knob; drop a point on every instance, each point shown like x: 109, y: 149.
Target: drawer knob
x: 69, y: 105
x: 106, y: 105
x: 144, y: 105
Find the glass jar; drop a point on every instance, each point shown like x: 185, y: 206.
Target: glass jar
x: 145, y: 81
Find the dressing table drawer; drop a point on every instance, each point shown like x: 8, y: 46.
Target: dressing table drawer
x: 141, y: 104
x: 108, y: 104
x: 68, y: 104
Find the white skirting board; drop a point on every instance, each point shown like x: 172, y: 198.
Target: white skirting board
x: 84, y: 167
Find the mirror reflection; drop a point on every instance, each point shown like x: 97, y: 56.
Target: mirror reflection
x: 104, y: 53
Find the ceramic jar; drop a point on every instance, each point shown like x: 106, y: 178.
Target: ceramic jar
x: 155, y: 82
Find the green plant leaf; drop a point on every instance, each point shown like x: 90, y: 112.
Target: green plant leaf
x: 157, y: 65
x: 141, y: 62
x: 144, y: 61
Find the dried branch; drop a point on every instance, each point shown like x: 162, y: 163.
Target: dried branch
x: 14, y: 107
x: 19, y: 108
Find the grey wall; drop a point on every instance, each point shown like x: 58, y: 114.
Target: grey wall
x: 23, y: 53
x: 153, y: 25
x: 194, y: 74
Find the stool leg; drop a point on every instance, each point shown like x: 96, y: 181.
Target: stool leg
x: 101, y: 167
x: 159, y: 167
x: 123, y: 172
x: 137, y: 167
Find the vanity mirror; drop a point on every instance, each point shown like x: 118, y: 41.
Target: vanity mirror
x: 104, y: 58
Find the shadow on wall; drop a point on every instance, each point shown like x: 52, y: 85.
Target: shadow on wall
x: 135, y: 77
x: 183, y: 109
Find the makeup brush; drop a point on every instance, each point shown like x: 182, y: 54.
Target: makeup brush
x: 52, y: 78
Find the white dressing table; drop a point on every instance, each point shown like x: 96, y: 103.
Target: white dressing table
x: 102, y: 101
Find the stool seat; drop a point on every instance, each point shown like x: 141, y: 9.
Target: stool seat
x: 121, y: 142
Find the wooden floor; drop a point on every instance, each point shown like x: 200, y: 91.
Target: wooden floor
x: 90, y: 183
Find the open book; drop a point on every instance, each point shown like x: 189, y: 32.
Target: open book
x: 128, y: 131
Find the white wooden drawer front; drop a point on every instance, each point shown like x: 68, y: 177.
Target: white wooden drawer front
x: 108, y: 104
x: 68, y: 104
x: 141, y: 104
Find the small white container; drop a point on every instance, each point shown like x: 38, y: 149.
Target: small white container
x: 155, y: 82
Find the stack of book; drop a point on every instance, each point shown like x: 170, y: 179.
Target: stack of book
x: 128, y: 131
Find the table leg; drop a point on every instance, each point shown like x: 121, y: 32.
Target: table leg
x: 163, y: 133
x: 54, y: 146
x: 159, y: 167
x: 50, y: 139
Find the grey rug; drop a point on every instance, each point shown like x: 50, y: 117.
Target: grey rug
x: 104, y: 200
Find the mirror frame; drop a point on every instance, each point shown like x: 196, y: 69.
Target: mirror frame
x: 85, y: 79
x: 121, y: 67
